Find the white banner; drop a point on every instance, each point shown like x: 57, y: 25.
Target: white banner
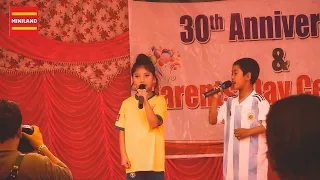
x: 194, y: 45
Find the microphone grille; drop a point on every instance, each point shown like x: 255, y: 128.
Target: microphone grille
x: 226, y: 84
x: 142, y: 86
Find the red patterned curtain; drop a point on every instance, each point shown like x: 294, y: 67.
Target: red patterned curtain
x: 70, y: 81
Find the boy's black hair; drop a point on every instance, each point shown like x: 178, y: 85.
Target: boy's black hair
x: 249, y: 65
x: 145, y: 61
x: 293, y: 137
x: 10, y: 119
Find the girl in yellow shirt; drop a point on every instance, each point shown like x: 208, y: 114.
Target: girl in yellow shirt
x: 141, y: 135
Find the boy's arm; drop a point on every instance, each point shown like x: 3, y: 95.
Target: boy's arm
x: 216, y: 115
x: 256, y: 130
x: 243, y: 132
x: 263, y: 111
x: 213, y: 112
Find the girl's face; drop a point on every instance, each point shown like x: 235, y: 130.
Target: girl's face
x: 143, y: 76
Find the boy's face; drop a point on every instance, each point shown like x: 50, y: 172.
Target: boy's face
x: 237, y: 77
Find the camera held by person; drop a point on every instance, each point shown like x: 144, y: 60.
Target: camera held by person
x: 24, y: 144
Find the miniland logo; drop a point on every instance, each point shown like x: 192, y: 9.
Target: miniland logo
x: 23, y: 21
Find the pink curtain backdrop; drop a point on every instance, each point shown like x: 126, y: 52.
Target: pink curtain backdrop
x: 71, y: 80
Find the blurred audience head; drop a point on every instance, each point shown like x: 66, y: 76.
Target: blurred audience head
x: 10, y: 120
x: 293, y: 137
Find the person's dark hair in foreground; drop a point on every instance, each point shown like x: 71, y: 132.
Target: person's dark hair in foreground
x: 293, y: 137
x: 39, y: 165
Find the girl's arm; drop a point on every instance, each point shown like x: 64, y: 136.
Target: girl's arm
x: 124, y: 159
x: 153, y: 120
x: 122, y: 144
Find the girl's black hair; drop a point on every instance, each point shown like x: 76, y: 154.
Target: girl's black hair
x: 144, y: 61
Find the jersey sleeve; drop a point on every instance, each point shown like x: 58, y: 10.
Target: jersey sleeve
x: 263, y: 111
x: 222, y: 112
x: 121, y: 118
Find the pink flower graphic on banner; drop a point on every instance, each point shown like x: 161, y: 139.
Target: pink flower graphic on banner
x: 166, y: 61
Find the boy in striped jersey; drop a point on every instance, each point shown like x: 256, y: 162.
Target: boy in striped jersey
x: 244, y: 117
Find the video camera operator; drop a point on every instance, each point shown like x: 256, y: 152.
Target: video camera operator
x: 14, y: 164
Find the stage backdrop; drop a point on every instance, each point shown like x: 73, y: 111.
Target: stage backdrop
x: 193, y: 45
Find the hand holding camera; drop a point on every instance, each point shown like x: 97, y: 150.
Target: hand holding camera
x: 31, y: 140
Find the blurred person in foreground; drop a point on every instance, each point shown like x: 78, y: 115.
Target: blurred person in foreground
x: 15, y: 165
x: 293, y: 137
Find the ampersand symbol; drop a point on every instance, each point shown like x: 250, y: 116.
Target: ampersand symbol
x: 278, y: 64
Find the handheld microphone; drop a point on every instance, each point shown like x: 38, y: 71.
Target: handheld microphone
x: 223, y: 86
x: 140, y: 98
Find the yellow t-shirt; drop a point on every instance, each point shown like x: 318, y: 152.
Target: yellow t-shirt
x: 145, y: 147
